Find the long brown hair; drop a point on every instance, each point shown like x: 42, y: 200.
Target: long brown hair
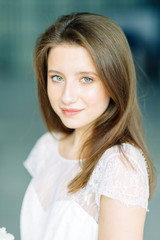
x: 108, y: 46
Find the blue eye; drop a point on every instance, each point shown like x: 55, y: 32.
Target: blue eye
x: 57, y: 78
x: 87, y: 80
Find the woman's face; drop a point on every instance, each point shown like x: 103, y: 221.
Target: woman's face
x: 75, y: 91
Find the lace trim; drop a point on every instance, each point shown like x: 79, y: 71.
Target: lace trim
x: 105, y: 179
x: 106, y: 188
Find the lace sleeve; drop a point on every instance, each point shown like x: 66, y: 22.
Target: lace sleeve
x: 37, y: 157
x: 125, y: 178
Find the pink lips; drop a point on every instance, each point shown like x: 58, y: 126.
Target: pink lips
x: 71, y: 112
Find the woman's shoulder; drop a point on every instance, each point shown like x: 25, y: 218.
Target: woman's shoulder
x: 47, y: 138
x: 127, y: 154
x: 122, y: 159
x: 41, y: 152
x: 122, y: 174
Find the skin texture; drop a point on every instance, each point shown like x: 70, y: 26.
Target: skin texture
x: 120, y: 222
x: 72, y: 87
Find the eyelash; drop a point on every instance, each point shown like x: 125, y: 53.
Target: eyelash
x: 90, y: 80
x: 56, y: 76
x: 59, y: 79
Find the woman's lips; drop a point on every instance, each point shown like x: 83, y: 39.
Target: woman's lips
x: 71, y: 112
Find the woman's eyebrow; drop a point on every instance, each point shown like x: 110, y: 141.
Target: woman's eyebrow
x: 78, y: 73
x: 54, y: 71
x: 87, y: 72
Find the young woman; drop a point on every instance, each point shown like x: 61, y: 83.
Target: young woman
x: 92, y: 176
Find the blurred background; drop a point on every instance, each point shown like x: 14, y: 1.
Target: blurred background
x: 21, y: 22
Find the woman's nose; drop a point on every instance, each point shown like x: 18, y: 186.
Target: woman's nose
x: 69, y: 94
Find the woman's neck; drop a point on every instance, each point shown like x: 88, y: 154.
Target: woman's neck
x: 70, y: 146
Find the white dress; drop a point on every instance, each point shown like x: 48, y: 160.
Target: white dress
x: 50, y: 213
